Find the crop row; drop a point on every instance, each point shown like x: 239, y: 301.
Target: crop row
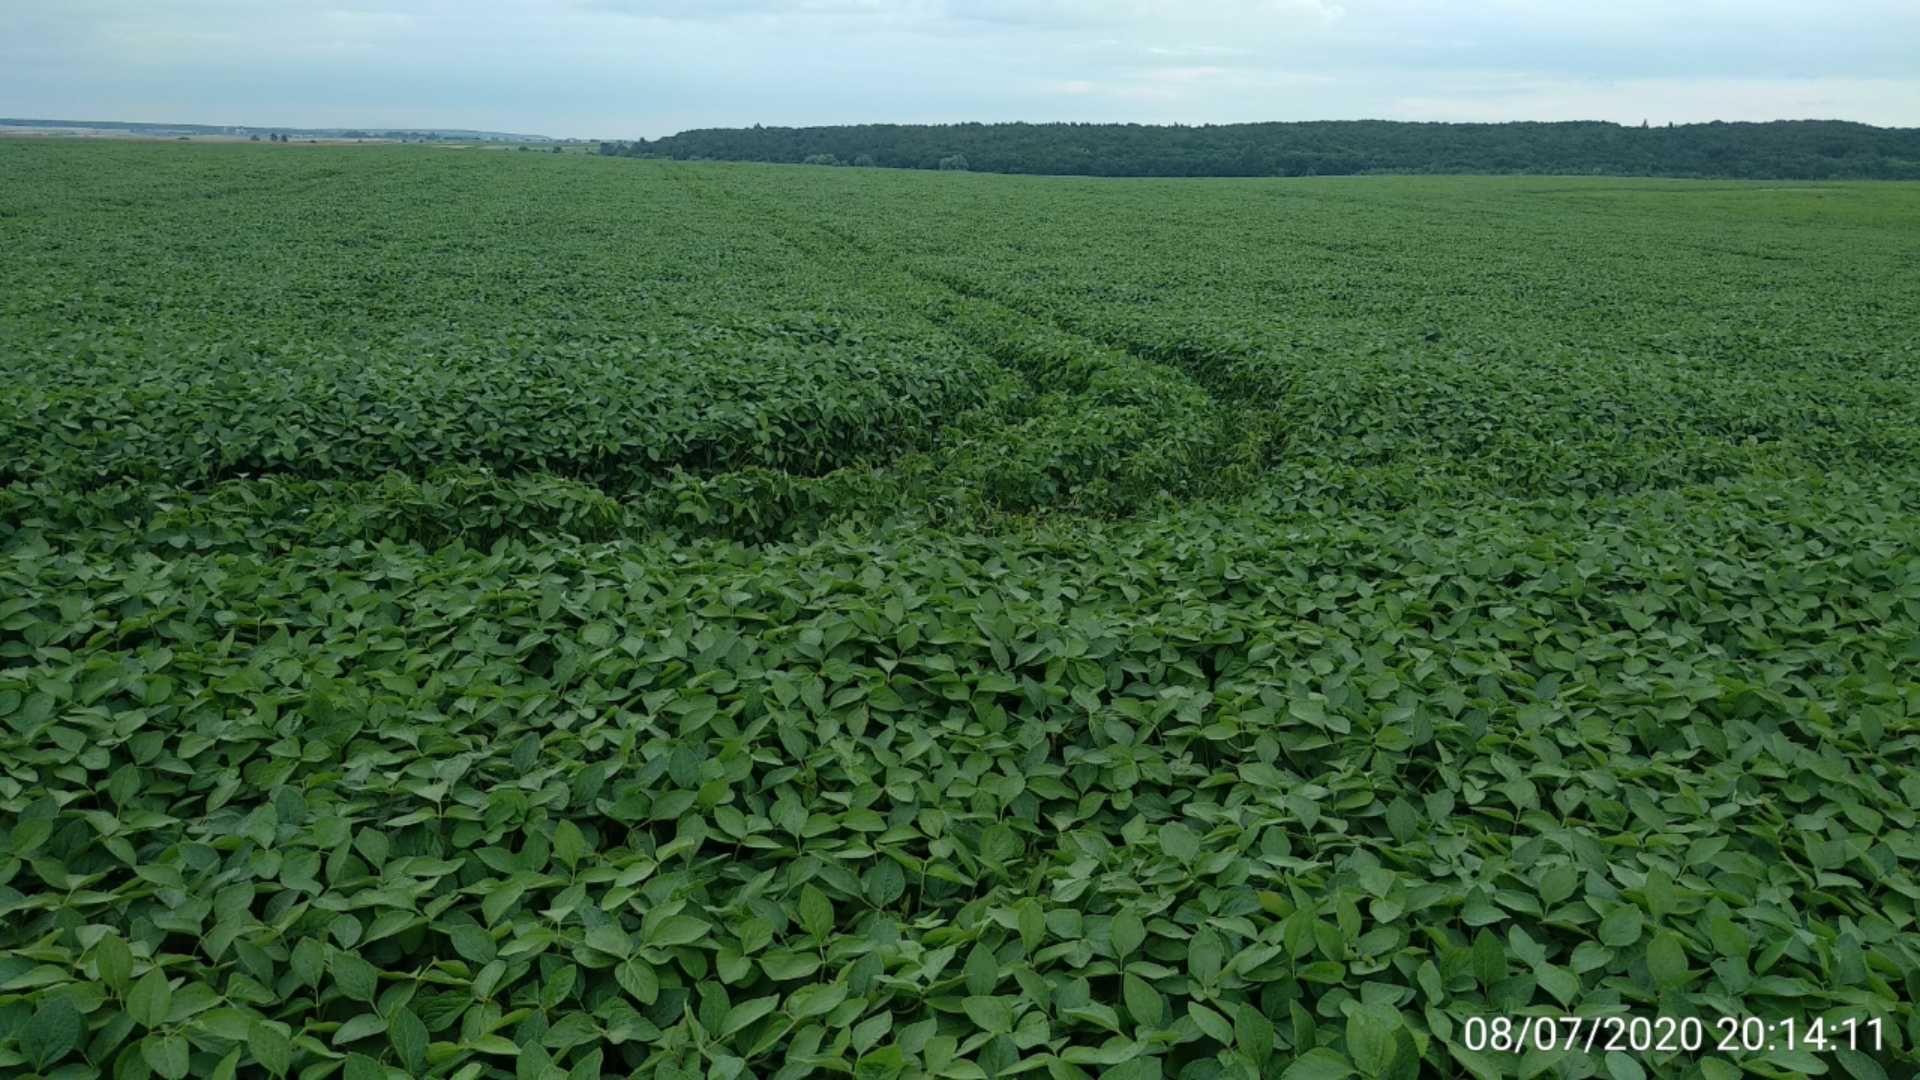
x: 614, y: 417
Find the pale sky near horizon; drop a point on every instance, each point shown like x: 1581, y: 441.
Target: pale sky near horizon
x: 625, y: 68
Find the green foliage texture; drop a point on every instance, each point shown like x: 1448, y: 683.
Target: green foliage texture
x: 484, y: 615
x: 1782, y: 149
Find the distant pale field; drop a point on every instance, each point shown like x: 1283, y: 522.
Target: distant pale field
x: 8, y: 132
x: 507, y: 615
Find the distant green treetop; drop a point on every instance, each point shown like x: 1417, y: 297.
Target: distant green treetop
x: 1785, y: 149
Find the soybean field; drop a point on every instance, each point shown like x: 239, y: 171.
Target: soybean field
x: 497, y: 615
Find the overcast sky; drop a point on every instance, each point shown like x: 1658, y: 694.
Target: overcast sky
x: 621, y: 68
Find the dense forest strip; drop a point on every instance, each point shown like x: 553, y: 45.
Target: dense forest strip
x: 1782, y: 150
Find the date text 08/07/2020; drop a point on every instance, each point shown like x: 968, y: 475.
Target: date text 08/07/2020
x: 1662, y: 1034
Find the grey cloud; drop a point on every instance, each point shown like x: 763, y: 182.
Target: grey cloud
x: 943, y: 14
x: 628, y: 67
x: 720, y: 10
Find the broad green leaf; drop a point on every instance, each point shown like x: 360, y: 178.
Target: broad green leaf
x: 1211, y: 1023
x: 410, y: 1039
x: 270, y: 1047
x: 1253, y: 1034
x: 356, y: 978
x: 114, y: 962
x: 360, y: 1027
x: 151, y: 999
x: 1371, y: 1033
x: 816, y: 914
x: 1319, y: 1063
x: 1127, y: 932
x: 678, y: 930
x: 51, y: 1033
x: 1622, y: 1066
x: 1667, y: 959
x: 982, y: 970
x: 746, y: 1012
x: 167, y: 1055
x: 815, y: 1000
x: 1206, y: 954
x: 1144, y: 1003
x: 992, y: 1014
x: 1179, y: 841
x: 1621, y: 927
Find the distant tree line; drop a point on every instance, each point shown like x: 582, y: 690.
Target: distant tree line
x: 1784, y: 149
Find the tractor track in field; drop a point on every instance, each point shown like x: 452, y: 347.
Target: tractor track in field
x: 1015, y: 336
x: 811, y: 240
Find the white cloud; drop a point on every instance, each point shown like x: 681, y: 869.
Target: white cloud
x: 1497, y: 97
x: 1168, y: 89
x: 942, y: 15
x: 721, y: 10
